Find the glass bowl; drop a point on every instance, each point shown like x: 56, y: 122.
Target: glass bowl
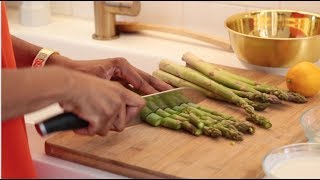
x: 310, y: 121
x: 300, y: 160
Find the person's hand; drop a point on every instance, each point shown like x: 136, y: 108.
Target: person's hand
x: 104, y: 104
x: 120, y: 70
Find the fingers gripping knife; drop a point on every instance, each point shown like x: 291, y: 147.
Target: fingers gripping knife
x: 69, y: 121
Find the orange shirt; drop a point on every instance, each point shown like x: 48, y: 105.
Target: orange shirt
x: 16, y: 158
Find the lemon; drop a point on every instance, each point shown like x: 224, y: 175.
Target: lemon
x: 304, y: 78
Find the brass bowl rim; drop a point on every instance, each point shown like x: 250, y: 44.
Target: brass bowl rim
x: 271, y: 10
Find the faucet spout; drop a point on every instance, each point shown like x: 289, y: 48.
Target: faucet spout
x: 105, y: 16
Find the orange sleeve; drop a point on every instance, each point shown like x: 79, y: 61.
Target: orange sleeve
x: 16, y: 158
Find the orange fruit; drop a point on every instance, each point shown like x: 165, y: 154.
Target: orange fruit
x: 304, y: 78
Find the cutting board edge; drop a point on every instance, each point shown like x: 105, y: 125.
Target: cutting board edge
x: 99, y: 163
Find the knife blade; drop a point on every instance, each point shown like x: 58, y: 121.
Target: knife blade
x: 69, y: 121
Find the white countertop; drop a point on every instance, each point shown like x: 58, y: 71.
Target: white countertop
x: 80, y: 31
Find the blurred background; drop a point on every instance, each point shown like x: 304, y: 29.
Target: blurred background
x: 202, y: 16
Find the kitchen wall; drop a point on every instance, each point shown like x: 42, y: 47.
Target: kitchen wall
x: 202, y: 16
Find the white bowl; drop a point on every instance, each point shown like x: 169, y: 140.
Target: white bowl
x: 299, y: 161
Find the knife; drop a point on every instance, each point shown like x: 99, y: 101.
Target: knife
x: 69, y: 121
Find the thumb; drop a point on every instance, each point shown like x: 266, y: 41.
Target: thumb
x: 132, y: 112
x: 82, y: 131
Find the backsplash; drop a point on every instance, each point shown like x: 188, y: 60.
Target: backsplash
x: 201, y: 16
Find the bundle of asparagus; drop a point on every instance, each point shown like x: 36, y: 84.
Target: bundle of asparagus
x: 176, y: 113
x: 237, y: 82
x: 218, y: 91
x: 225, y: 86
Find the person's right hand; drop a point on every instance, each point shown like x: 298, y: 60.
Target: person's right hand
x: 104, y: 104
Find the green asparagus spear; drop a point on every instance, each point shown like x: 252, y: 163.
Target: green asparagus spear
x: 280, y: 93
x: 258, y: 97
x: 178, y: 82
x: 212, y: 132
x: 199, y: 79
x: 258, y: 106
x: 241, y: 126
x: 216, y: 74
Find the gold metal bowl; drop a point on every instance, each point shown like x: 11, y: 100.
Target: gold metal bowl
x: 275, y: 38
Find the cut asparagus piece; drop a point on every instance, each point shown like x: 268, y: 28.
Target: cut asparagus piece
x: 259, y: 120
x: 171, y: 111
x: 195, y: 121
x: 145, y: 112
x: 178, y: 108
x: 191, y: 128
x: 208, y: 122
x: 152, y: 106
x: 240, y: 126
x: 229, y: 133
x: 178, y: 117
x: 212, y: 132
x: 201, y: 113
x: 168, y: 112
x: 153, y: 119
x: 225, y: 116
x: 162, y: 113
x: 171, y: 123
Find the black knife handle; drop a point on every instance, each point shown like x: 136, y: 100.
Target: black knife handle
x: 61, y: 122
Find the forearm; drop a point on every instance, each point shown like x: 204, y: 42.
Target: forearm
x: 26, y: 90
x: 25, y: 53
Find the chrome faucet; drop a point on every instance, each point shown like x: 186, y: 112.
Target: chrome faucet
x: 105, y: 16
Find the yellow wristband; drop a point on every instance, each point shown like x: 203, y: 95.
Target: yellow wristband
x: 42, y: 57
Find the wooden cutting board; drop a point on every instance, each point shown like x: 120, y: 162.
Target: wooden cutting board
x: 143, y: 151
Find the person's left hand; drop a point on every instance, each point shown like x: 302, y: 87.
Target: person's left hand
x: 119, y: 69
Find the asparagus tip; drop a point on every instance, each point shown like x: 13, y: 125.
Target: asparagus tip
x: 251, y: 130
x: 198, y: 132
x: 296, y: 97
x: 274, y: 99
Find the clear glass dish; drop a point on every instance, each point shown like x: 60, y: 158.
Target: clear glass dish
x: 310, y: 121
x: 293, y: 161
